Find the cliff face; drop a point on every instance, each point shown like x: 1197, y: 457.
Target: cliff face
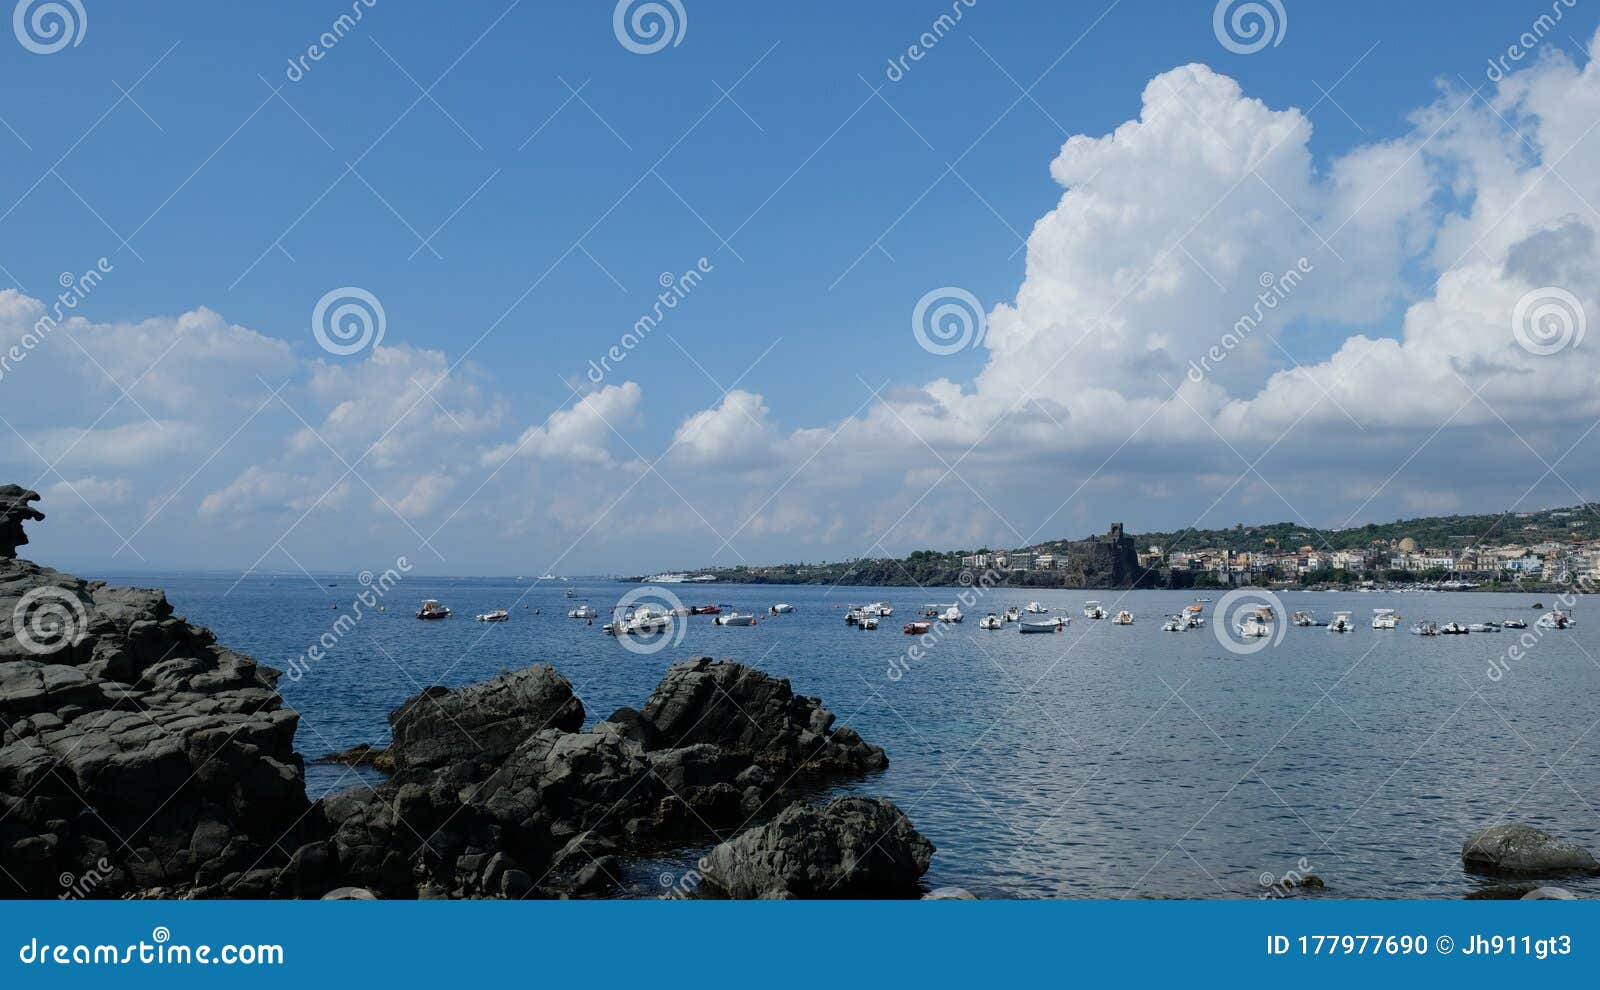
x: 136, y: 753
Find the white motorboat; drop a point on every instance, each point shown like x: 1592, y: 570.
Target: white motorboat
x: 646, y: 620
x: 498, y: 615
x: 951, y: 614
x: 433, y: 610
x: 868, y: 621
x: 1484, y: 627
x: 1425, y: 629
x: 734, y: 619
x: 782, y: 608
x: 990, y: 621
x: 1012, y: 614
x: 1514, y: 624
x: 1038, y: 624
x: 1385, y: 618
x: 1091, y: 610
x: 1453, y: 629
x: 1556, y: 619
x: 1034, y: 608
x: 852, y: 614
x: 1124, y: 618
x: 1195, y: 615
x: 1303, y: 619
x: 879, y: 609
x: 584, y: 611
x: 1255, y: 624
x: 1175, y: 623
x: 1341, y: 623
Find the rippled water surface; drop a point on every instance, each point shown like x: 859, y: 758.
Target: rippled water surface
x: 1105, y: 761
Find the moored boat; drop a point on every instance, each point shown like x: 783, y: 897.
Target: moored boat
x: 1040, y: 624
x: 1385, y: 618
x: 782, y: 608
x: 498, y: 615
x: 433, y: 610
x: 1341, y: 623
x: 1425, y: 629
x: 1124, y: 618
x: 1093, y: 610
x: 990, y: 621
x: 584, y: 611
x: 734, y: 619
x: 917, y: 628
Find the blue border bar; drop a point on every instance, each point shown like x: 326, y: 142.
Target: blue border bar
x: 759, y: 945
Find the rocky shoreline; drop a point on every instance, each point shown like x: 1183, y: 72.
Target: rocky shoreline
x: 140, y: 758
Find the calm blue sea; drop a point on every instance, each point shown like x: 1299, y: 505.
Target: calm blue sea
x: 1102, y: 762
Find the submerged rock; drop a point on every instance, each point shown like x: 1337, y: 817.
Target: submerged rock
x: 1549, y: 894
x: 1522, y: 850
x: 949, y: 894
x: 852, y: 847
x: 361, y: 755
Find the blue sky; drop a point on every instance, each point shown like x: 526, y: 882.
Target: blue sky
x: 516, y: 219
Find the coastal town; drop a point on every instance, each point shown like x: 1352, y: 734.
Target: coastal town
x: 1546, y: 548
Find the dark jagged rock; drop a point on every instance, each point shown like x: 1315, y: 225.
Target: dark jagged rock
x: 133, y: 747
x: 852, y: 847
x: 750, y: 712
x: 14, y: 511
x: 482, y: 722
x: 561, y: 800
x: 1524, y: 851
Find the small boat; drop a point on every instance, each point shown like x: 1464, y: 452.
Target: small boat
x: 584, y: 611
x: 1341, y: 623
x: 432, y: 610
x: 1556, y: 619
x: 1425, y: 629
x: 917, y: 628
x: 734, y: 619
x: 1012, y: 614
x: 852, y: 614
x: 1385, y: 618
x: 1453, y: 629
x: 570, y: 592
x: 1538, y: 605
x: 1124, y: 618
x: 951, y: 614
x: 1196, y: 614
x: 782, y: 608
x: 1034, y: 624
x: 1484, y: 627
x: 868, y: 621
x: 990, y: 621
x: 705, y: 610
x: 1093, y: 610
x: 1034, y: 608
x: 1513, y: 624
x: 1175, y: 623
x: 1303, y: 619
x: 879, y: 609
x: 645, y: 620
x: 498, y: 615
x: 1255, y: 624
